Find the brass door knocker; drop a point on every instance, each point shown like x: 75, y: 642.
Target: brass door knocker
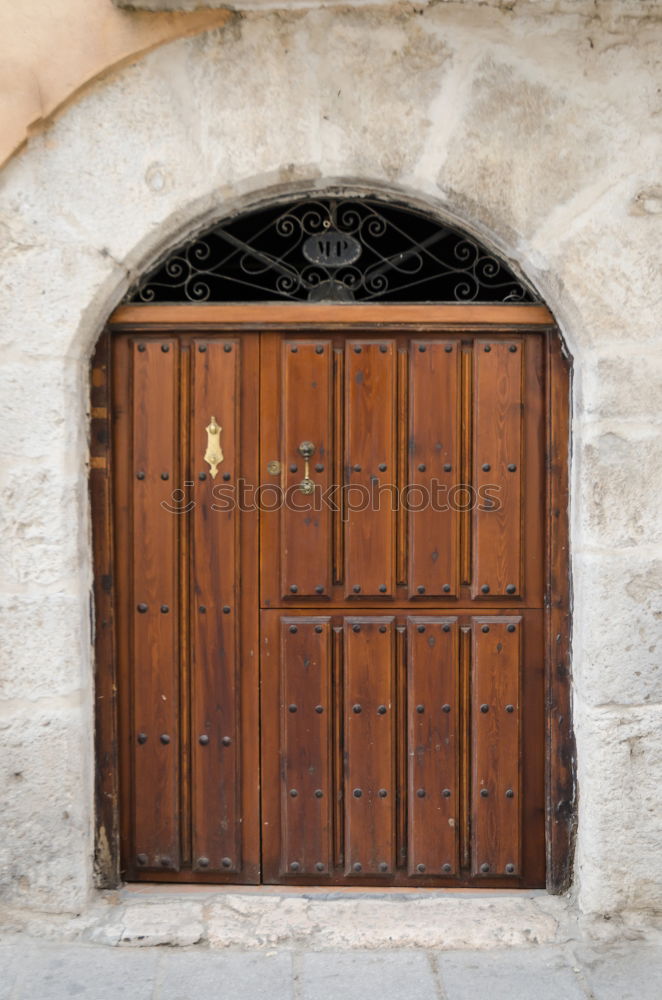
x: 307, y: 450
x: 214, y: 453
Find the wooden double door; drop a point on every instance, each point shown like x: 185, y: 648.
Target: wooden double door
x: 329, y: 561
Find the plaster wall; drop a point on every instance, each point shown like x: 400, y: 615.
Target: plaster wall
x: 539, y: 132
x: 49, y: 52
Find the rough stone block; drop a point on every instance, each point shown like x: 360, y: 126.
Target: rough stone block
x: 45, y: 646
x: 607, y: 272
x: 603, y: 378
x: 9, y: 966
x: 619, y: 806
x: 373, y: 920
x: 146, y: 924
x: 618, y: 468
x: 46, y: 794
x: 41, y: 526
x: 413, y: 62
x: 514, y: 126
x: 617, y: 642
x: 51, y: 277
x: 37, y: 404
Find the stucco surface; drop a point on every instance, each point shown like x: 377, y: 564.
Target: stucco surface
x: 539, y: 132
x: 50, y: 51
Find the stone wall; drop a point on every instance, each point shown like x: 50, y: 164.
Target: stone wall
x: 535, y: 126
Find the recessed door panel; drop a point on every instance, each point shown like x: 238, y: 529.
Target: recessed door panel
x: 496, y: 745
x: 497, y: 454
x: 369, y: 746
x: 154, y: 612
x: 215, y: 634
x: 305, y: 450
x: 434, y: 466
x: 306, y: 745
x: 369, y: 512
x: 433, y: 720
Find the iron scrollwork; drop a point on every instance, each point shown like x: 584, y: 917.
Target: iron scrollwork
x: 332, y: 250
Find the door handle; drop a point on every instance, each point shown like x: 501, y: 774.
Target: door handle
x: 307, y: 450
x: 214, y: 452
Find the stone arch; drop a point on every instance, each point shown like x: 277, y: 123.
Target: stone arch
x: 560, y: 828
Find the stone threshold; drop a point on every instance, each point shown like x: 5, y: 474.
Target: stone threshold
x: 317, y: 918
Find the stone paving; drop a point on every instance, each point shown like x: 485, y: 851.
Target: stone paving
x: 39, y: 970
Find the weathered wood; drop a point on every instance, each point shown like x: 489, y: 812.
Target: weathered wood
x: 561, y: 788
x: 105, y: 679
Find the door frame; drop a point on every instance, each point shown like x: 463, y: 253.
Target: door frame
x: 560, y: 756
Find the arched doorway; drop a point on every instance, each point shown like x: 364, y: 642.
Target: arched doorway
x: 331, y: 545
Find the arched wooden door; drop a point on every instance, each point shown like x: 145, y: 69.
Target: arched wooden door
x: 393, y: 619
x: 334, y: 607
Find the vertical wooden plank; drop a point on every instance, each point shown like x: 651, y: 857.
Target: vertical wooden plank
x: 534, y: 472
x: 369, y: 751
x: 184, y: 595
x: 401, y: 757
x: 466, y: 461
x: 215, y: 776
x: 306, y: 725
x: 155, y: 644
x: 497, y: 448
x: 338, y: 682
x: 337, y: 465
x: 123, y: 473
x: 561, y: 805
x: 270, y: 736
x: 370, y: 455
x: 434, y: 451
x: 248, y: 603
x: 271, y: 482
x: 465, y: 745
x: 432, y: 747
x: 495, y: 724
x: 106, y: 852
x: 401, y: 480
x: 532, y: 753
x: 306, y: 397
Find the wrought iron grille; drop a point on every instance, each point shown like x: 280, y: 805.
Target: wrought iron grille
x: 331, y: 250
